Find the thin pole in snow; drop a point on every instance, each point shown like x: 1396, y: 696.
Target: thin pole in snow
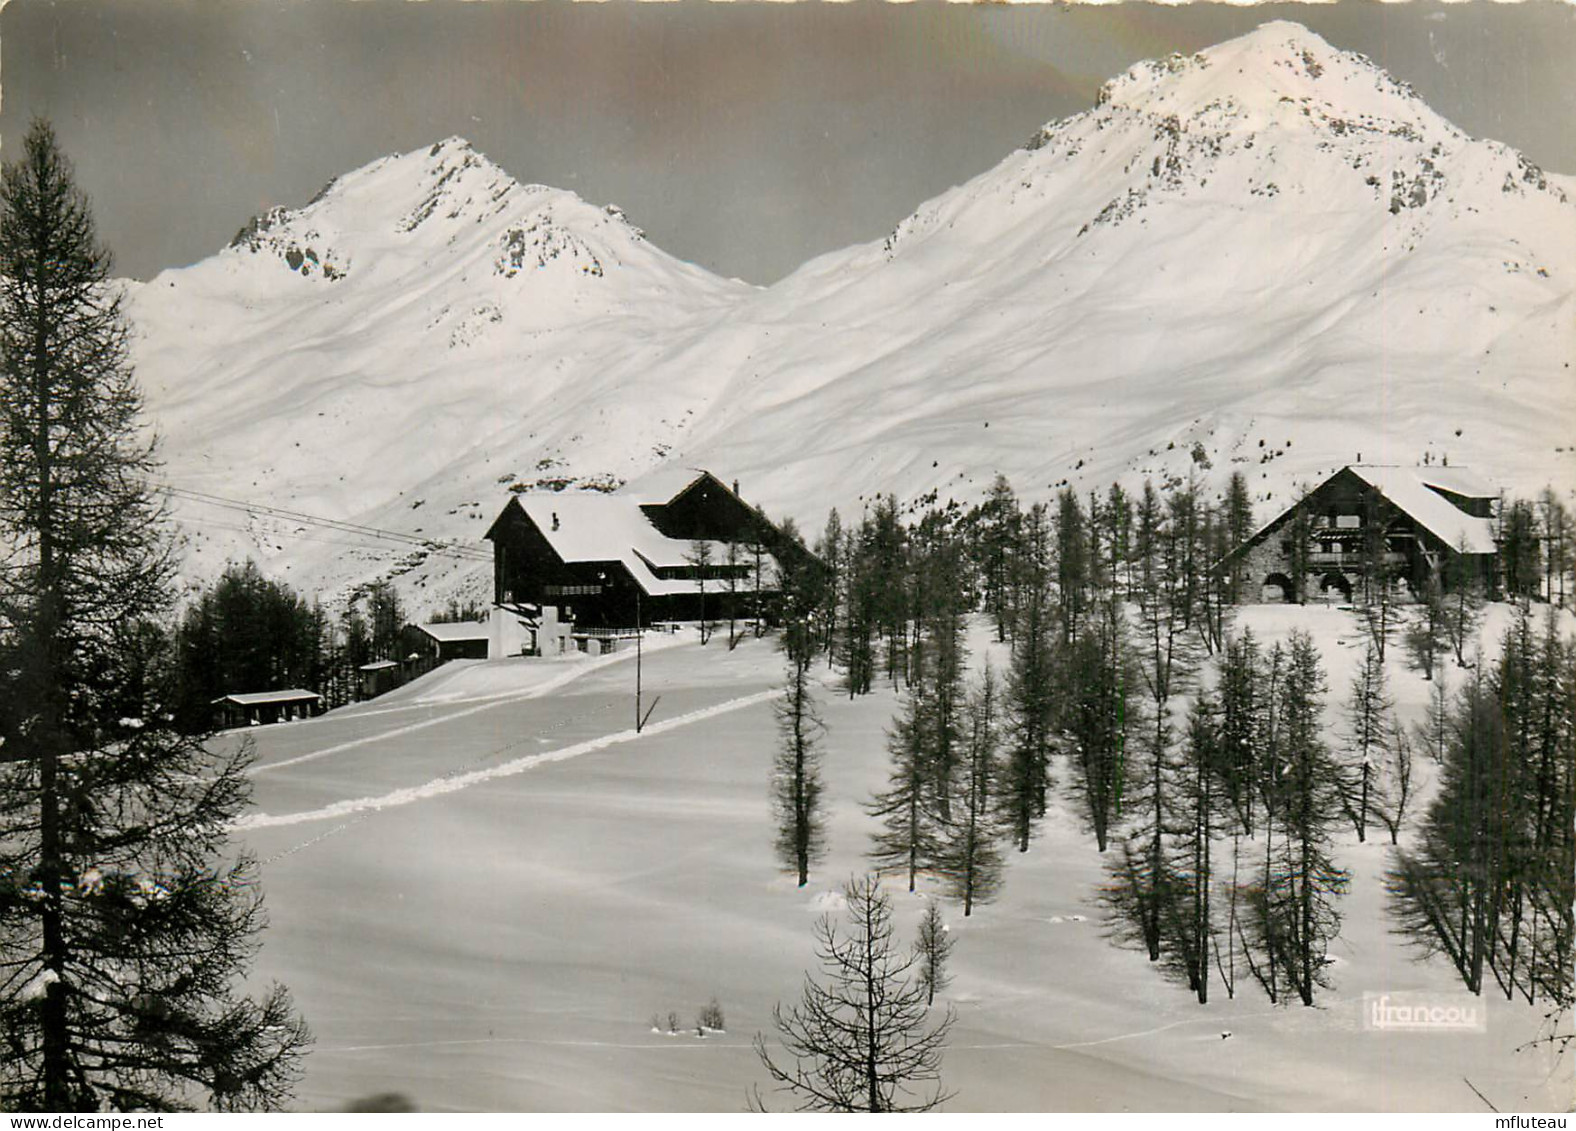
x: 640, y: 631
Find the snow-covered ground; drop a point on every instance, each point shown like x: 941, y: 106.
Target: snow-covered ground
x: 482, y: 902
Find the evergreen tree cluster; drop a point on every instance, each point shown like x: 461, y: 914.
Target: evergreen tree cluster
x: 1089, y: 678
x: 1200, y: 763
x: 250, y: 633
x: 1537, y: 549
x: 246, y: 633
x: 1490, y: 881
x: 1215, y: 773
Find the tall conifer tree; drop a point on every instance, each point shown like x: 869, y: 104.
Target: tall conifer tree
x: 124, y: 919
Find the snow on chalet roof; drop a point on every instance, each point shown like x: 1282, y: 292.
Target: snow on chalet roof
x: 1408, y: 488
x: 1457, y: 480
x: 664, y: 484
x: 252, y: 698
x: 593, y: 527
x: 457, y: 630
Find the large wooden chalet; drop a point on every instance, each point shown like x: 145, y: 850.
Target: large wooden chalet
x: 568, y: 566
x: 1431, y: 520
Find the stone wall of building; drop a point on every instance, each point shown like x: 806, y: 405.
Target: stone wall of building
x: 1259, y: 563
x: 1267, y: 558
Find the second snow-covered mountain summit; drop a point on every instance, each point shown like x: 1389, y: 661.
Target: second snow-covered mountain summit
x: 1270, y: 253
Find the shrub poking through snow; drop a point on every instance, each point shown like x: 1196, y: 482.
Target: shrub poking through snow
x: 710, y: 1017
x: 934, y: 947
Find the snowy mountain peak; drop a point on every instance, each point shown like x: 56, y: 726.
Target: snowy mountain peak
x: 426, y: 321
x: 440, y: 202
x: 1277, y: 114
x: 1277, y: 63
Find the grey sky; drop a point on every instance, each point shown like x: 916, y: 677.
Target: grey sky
x: 746, y: 137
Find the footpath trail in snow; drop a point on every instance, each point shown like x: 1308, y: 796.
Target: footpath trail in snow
x: 447, y: 784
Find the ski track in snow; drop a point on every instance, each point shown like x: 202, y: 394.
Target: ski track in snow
x: 488, y: 704
x: 439, y: 702
x: 722, y: 1044
x: 694, y: 1044
x: 1325, y: 1003
x: 445, y: 785
x: 339, y: 828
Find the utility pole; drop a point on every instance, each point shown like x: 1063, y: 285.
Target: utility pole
x: 640, y: 631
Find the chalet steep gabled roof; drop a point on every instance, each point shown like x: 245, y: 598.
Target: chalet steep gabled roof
x: 591, y: 526
x: 604, y: 528
x: 666, y: 484
x: 1461, y: 481
x: 1409, y: 489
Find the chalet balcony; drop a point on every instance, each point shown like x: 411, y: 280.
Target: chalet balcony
x: 1349, y: 559
x: 598, y: 641
x: 590, y: 632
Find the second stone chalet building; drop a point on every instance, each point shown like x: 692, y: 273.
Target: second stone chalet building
x: 1411, y: 522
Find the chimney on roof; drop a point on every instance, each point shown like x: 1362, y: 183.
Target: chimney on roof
x: 735, y: 486
x: 555, y: 520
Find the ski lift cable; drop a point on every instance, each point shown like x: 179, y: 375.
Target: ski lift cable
x: 303, y: 516
x: 284, y: 513
x: 368, y: 547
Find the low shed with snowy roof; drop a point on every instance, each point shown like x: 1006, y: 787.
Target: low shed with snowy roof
x: 455, y: 640
x: 568, y: 563
x: 1413, y: 523
x: 259, y: 708
x: 380, y: 676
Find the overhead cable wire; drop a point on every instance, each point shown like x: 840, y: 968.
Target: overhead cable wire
x: 431, y: 545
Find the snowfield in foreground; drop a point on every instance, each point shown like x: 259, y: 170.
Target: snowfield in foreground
x: 482, y: 903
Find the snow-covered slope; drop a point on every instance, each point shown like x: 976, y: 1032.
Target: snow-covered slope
x: 1270, y: 241
x: 479, y: 899
x: 1270, y: 249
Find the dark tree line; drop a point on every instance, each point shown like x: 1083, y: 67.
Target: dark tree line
x: 1228, y: 864
x: 1488, y: 883
x: 971, y: 771
x: 248, y: 633
x: 1216, y: 772
x: 1030, y: 707
x: 951, y: 790
x: 1219, y: 815
x: 796, y: 774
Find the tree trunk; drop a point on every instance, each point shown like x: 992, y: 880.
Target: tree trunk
x: 1271, y: 943
x: 51, y: 724
x: 1202, y: 887
x: 1156, y: 847
x: 1362, y: 808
